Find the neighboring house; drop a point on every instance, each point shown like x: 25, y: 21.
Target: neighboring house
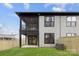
x: 44, y: 28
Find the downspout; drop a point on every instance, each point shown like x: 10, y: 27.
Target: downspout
x: 60, y: 26
x: 20, y: 33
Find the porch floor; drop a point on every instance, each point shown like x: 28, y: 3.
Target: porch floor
x: 29, y: 46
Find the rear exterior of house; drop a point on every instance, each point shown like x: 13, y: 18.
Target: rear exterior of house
x: 43, y: 29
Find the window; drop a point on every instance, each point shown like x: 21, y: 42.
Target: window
x: 71, y: 21
x: 71, y: 34
x: 49, y: 21
x: 49, y: 38
x: 68, y: 34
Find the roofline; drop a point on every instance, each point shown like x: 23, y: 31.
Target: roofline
x: 51, y: 12
x: 48, y: 13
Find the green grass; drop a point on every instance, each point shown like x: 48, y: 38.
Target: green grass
x: 35, y: 52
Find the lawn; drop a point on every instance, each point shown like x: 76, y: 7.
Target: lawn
x: 35, y: 52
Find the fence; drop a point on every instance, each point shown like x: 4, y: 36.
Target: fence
x: 71, y: 43
x: 7, y: 44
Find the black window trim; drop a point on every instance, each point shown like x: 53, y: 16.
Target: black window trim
x: 71, y: 21
x: 49, y: 21
x: 50, y: 38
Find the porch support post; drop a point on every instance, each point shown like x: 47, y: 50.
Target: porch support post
x: 20, y: 33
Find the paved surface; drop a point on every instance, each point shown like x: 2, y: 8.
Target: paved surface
x: 35, y: 46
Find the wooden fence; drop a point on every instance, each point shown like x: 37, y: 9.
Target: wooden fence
x: 71, y: 43
x: 7, y: 44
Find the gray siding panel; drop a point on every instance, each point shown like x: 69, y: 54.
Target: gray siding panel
x: 65, y: 29
x: 60, y: 29
x: 43, y: 30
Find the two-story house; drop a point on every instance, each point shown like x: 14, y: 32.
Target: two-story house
x: 44, y: 28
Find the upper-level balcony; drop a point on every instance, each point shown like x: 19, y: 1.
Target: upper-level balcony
x: 30, y: 27
x: 29, y: 24
x: 27, y: 30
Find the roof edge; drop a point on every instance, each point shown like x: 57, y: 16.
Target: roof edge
x: 49, y: 13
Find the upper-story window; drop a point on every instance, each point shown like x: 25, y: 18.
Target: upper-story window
x: 71, y: 21
x: 49, y: 21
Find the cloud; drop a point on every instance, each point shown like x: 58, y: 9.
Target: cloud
x: 0, y: 25
x: 8, y: 5
x: 12, y: 14
x: 7, y: 29
x: 57, y: 7
x: 26, y: 6
x: 47, y: 5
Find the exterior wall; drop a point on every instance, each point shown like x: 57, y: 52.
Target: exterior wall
x: 43, y: 30
x: 60, y: 29
x: 65, y: 29
x: 26, y: 40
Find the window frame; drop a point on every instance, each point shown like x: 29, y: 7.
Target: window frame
x: 50, y: 21
x: 48, y: 40
x: 71, y: 34
x: 71, y: 21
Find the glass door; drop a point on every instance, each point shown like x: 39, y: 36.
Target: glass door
x: 32, y: 40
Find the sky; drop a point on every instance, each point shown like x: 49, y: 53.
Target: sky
x: 9, y: 21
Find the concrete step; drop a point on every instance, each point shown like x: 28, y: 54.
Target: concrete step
x: 29, y: 46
